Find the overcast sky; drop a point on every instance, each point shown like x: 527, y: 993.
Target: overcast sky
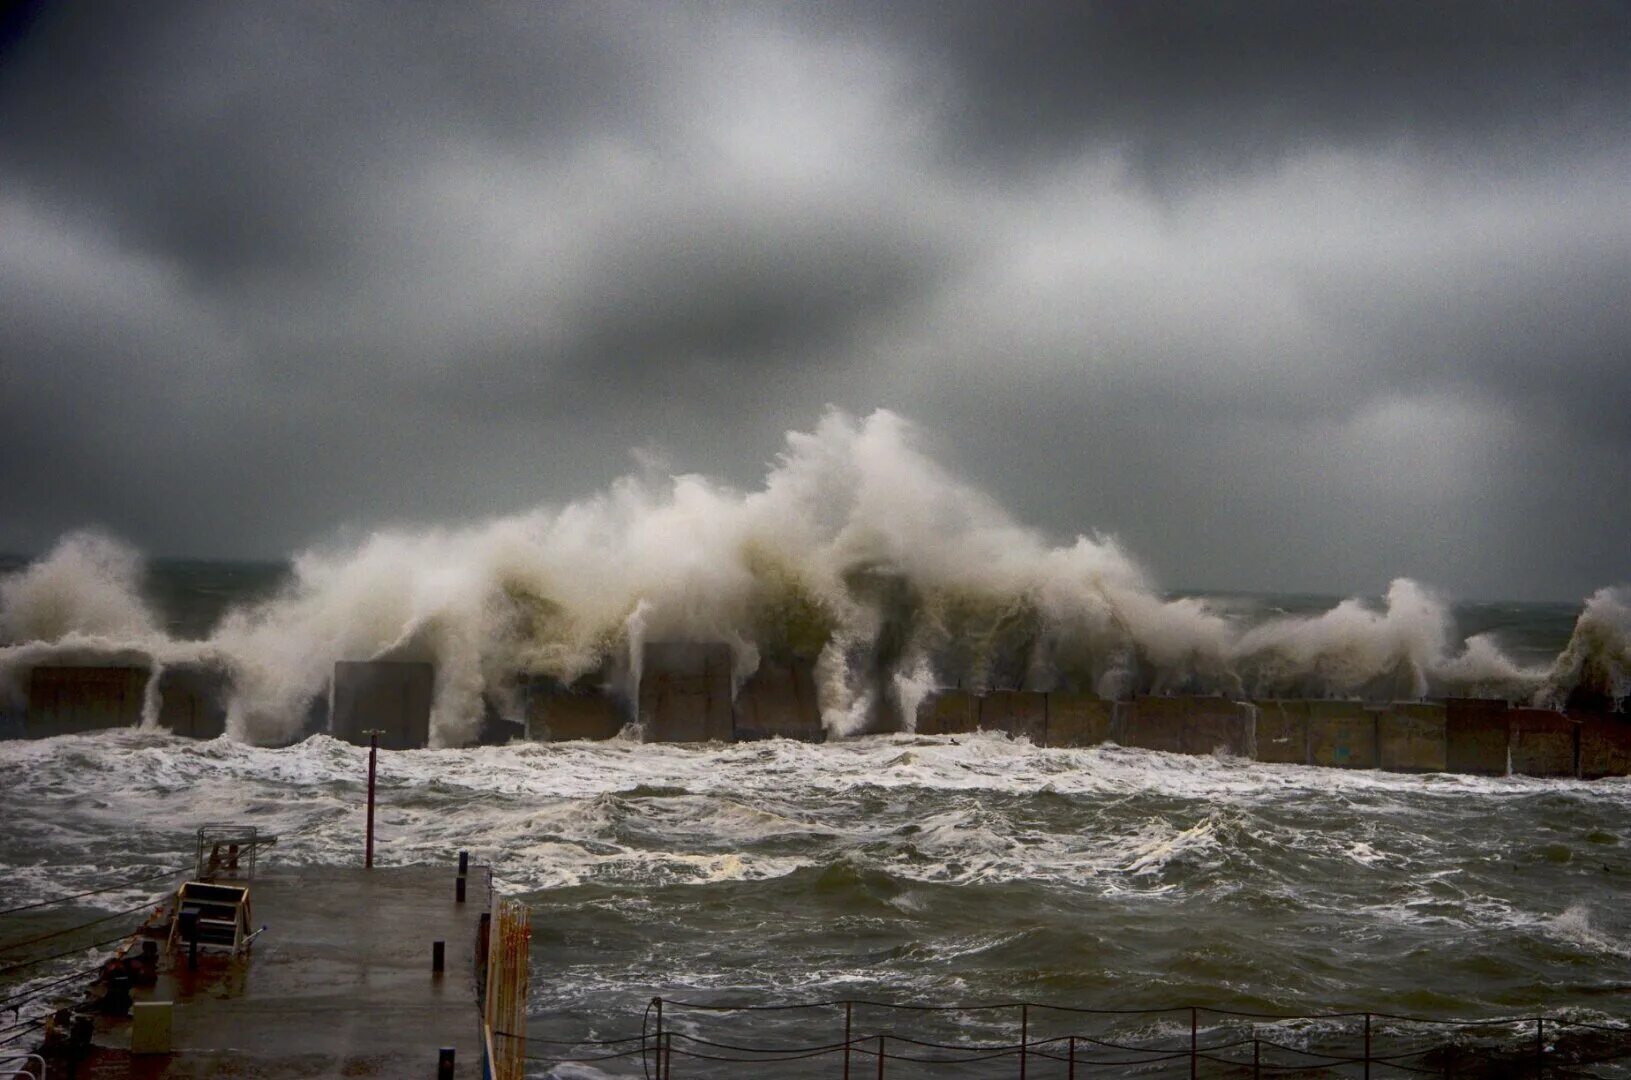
x: 1283, y: 295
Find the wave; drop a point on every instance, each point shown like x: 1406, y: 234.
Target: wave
x: 858, y: 553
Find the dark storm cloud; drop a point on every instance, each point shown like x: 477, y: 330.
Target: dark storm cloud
x: 1186, y: 89
x: 1344, y: 283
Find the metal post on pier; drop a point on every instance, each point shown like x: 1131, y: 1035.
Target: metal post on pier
x: 1367, y: 1046
x: 1257, y: 1058
x: 1540, y: 1046
x: 1070, y: 1073
x: 373, y: 761
x: 849, y: 1014
x: 1194, y: 1036
x: 1024, y: 1037
x: 880, y: 1057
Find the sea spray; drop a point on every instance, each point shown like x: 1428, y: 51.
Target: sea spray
x: 858, y: 554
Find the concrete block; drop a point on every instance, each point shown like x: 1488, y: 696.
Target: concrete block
x: 1282, y: 732
x: 65, y: 700
x: 779, y: 699
x: 1410, y: 737
x: 193, y: 701
x: 1605, y: 745
x: 948, y: 712
x: 1478, y: 736
x: 1341, y: 734
x: 392, y: 696
x: 150, y: 1027
x: 685, y: 692
x: 1080, y: 719
x: 561, y: 712
x: 1189, y: 725
x: 1544, y: 743
x: 1020, y: 713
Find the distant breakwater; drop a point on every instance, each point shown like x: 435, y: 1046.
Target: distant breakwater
x: 687, y: 693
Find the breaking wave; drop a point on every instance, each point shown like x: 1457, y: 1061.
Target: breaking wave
x: 858, y: 553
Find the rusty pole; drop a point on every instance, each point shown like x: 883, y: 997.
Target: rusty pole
x: 373, y: 760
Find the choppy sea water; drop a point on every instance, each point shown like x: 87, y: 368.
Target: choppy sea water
x: 904, y: 869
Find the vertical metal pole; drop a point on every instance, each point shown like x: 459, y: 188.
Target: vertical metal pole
x: 880, y: 1057
x: 668, y: 1055
x: 1070, y: 1073
x: 438, y: 957
x: 1540, y: 1045
x: 657, y: 1041
x: 849, y: 1014
x: 373, y: 760
x: 1367, y: 1046
x: 1194, y: 1049
x: 1024, y: 1037
x: 1257, y: 1058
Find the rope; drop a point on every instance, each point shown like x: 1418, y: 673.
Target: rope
x: 10, y: 945
x: 66, y: 952
x: 94, y: 892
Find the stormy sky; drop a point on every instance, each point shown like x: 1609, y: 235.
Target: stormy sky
x: 1291, y: 295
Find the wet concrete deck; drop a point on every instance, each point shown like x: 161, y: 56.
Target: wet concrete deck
x: 340, y: 984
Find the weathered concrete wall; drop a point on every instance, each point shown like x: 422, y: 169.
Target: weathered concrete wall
x: 1080, y: 720
x: 1544, y: 743
x: 1410, y: 737
x: 1605, y: 744
x: 948, y: 712
x: 1020, y: 713
x: 1282, y: 732
x: 557, y: 712
x: 65, y: 700
x: 685, y: 692
x: 1188, y: 725
x: 1341, y: 734
x: 779, y: 699
x: 1478, y: 736
x: 392, y: 696
x: 193, y: 701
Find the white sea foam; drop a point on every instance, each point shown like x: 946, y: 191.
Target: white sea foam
x: 857, y: 550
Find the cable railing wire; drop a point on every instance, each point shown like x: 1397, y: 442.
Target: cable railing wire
x: 95, y: 892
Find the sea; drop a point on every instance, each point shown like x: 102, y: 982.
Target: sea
x: 961, y: 892
x: 899, y: 870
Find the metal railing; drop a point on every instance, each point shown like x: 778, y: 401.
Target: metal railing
x: 1196, y: 1040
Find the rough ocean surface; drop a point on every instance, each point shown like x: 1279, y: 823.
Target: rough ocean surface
x: 903, y: 868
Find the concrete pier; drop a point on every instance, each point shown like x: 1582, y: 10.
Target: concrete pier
x: 557, y: 712
x: 193, y: 701
x: 948, y: 712
x: 67, y: 700
x: 340, y: 984
x: 685, y: 692
x: 1282, y: 731
x: 1478, y: 736
x: 386, y: 695
x: 1020, y: 713
x: 1342, y: 734
x: 1189, y: 725
x: 1080, y: 720
x: 1543, y: 743
x: 779, y: 699
x: 1410, y: 737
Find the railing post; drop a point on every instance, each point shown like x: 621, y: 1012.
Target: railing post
x: 373, y: 758
x: 657, y: 1038
x: 1540, y: 1046
x: 849, y: 1014
x: 1024, y: 1037
x: 1194, y: 1038
x: 668, y: 1055
x: 1367, y: 1046
x: 1257, y: 1058
x: 880, y: 1057
x: 1070, y: 1072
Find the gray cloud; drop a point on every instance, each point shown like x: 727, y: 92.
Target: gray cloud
x: 1287, y: 296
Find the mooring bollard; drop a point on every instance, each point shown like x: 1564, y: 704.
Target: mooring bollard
x: 444, y: 1063
x: 458, y: 889
x: 438, y: 957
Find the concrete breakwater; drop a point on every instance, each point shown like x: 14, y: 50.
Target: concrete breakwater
x: 687, y: 693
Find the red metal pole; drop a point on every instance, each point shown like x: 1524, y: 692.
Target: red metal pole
x: 373, y: 759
